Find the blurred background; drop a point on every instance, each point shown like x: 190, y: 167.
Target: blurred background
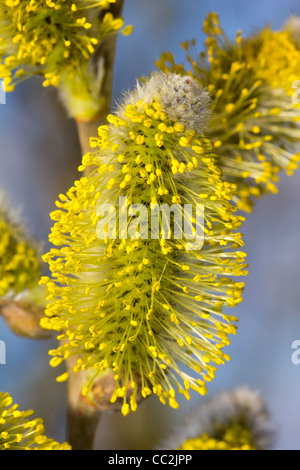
x: 39, y: 155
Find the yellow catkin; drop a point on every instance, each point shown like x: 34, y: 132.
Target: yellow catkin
x: 130, y: 302
x: 255, y: 123
x: 55, y: 40
x: 19, y: 430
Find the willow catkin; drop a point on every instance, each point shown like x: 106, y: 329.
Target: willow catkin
x: 143, y: 303
x: 254, y: 125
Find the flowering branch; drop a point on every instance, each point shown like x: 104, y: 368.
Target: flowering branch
x: 144, y: 314
x: 83, y: 417
x: 79, y: 63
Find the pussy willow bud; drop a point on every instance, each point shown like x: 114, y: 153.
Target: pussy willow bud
x: 255, y: 124
x: 233, y: 420
x: 20, y: 431
x: 144, y: 303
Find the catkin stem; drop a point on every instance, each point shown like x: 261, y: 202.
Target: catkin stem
x: 106, y: 54
x: 87, y: 129
x: 82, y: 418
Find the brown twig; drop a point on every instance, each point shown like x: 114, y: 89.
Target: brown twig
x: 104, y: 57
x: 82, y: 417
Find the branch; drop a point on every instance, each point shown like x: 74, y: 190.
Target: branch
x: 82, y: 416
x: 104, y: 58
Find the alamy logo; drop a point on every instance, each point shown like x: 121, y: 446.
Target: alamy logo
x: 2, y: 93
x: 296, y: 354
x: 135, y: 221
x: 296, y: 94
x: 2, y: 353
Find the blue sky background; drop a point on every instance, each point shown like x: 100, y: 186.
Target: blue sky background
x: 39, y: 155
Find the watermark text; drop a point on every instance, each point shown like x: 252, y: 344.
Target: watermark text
x: 2, y: 93
x: 2, y: 353
x: 182, y: 222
